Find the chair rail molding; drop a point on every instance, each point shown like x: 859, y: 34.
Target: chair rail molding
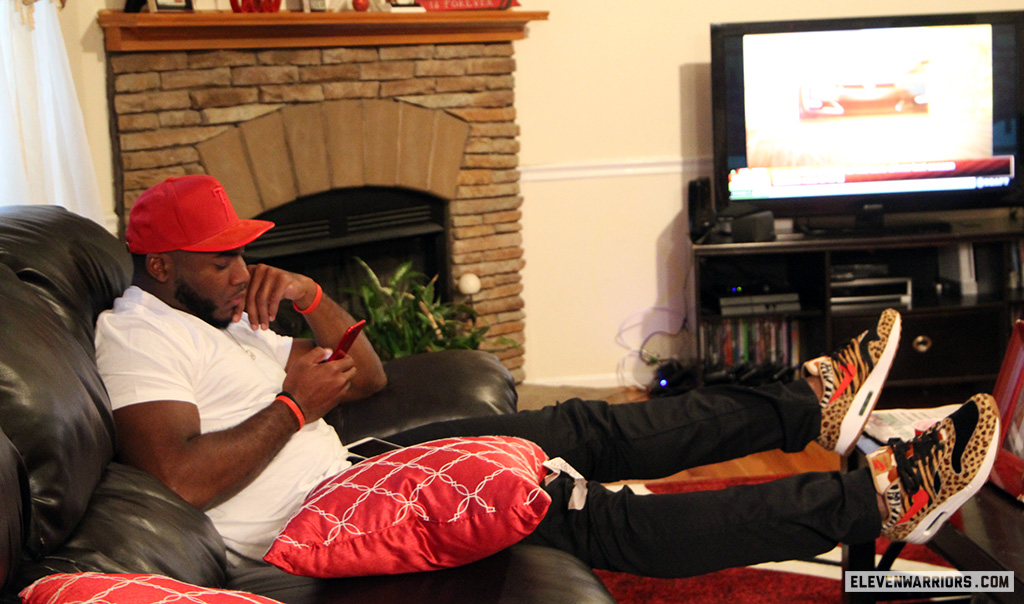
x: 616, y: 168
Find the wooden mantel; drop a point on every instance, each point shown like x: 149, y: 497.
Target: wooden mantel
x: 224, y: 29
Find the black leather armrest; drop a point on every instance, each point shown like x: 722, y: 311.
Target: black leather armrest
x: 430, y: 387
x: 13, y: 507
x: 135, y: 524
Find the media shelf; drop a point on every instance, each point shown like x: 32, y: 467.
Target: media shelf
x: 955, y: 328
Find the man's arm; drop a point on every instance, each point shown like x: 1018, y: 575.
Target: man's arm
x: 269, y: 287
x: 164, y: 437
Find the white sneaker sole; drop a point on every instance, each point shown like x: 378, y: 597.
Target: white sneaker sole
x: 933, y: 521
x: 867, y: 396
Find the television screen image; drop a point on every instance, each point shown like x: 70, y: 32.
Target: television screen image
x: 838, y: 114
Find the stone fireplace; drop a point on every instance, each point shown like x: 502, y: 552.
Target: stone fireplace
x: 308, y: 126
x: 368, y: 179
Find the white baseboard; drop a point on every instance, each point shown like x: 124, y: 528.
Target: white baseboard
x: 609, y: 380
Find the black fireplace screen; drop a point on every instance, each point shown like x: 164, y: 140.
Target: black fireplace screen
x: 321, y: 236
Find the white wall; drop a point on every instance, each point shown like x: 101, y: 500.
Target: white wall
x: 609, y: 87
x: 87, y: 60
x: 613, y: 100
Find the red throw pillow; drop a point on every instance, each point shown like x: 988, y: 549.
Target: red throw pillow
x: 435, y: 505
x: 85, y: 588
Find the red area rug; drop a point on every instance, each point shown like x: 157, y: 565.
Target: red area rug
x: 747, y: 585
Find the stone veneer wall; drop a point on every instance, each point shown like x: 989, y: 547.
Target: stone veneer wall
x: 164, y: 104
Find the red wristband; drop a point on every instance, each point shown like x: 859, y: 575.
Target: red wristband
x: 287, y: 399
x: 313, y: 305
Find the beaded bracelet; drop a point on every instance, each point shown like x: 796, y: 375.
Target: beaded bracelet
x: 315, y: 303
x: 287, y: 399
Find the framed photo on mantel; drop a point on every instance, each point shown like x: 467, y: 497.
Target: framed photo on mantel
x: 135, y: 6
x: 171, y: 5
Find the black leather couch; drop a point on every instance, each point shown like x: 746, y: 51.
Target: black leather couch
x: 66, y: 505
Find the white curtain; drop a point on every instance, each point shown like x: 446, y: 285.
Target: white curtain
x: 44, y: 154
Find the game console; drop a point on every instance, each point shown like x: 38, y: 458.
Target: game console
x: 872, y: 291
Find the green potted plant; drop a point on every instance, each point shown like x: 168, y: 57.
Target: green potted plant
x: 404, y: 316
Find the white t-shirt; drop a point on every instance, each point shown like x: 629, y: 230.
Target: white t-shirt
x: 148, y: 351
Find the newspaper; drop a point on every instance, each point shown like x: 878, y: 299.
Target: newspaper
x: 884, y: 424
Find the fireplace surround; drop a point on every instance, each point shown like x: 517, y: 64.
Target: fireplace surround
x: 347, y: 179
x: 425, y: 107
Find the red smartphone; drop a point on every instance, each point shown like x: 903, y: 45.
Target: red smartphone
x: 347, y: 340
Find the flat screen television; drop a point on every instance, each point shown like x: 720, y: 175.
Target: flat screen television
x: 860, y: 117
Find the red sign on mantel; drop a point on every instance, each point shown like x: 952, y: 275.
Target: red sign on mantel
x: 441, y: 5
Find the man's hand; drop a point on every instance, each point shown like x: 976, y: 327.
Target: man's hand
x: 317, y: 387
x: 268, y: 286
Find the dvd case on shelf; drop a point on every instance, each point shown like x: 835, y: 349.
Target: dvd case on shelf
x: 759, y: 341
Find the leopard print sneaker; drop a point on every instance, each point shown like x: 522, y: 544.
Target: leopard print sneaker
x: 925, y: 480
x: 852, y: 379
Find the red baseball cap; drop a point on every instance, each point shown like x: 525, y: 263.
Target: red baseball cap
x: 190, y: 213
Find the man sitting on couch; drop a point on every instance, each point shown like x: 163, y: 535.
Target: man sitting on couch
x: 228, y: 415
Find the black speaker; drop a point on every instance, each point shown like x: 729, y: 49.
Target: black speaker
x: 701, y: 208
x: 759, y: 226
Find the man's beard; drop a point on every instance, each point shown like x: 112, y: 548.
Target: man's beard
x: 201, y: 307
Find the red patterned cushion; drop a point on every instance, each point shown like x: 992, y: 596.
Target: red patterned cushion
x: 99, y: 588
x: 436, y: 505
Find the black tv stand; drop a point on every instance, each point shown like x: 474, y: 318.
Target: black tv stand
x: 953, y: 343
x: 870, y: 222
x: 890, y: 230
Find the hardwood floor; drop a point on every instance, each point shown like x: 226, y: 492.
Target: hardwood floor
x: 770, y: 463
